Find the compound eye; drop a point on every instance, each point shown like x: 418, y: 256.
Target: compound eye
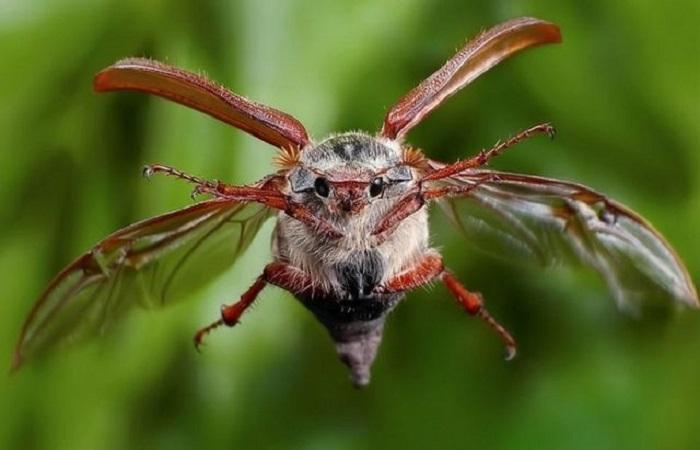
x: 376, y: 187
x: 321, y: 187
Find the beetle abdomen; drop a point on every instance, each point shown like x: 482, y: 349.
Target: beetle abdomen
x: 356, y: 327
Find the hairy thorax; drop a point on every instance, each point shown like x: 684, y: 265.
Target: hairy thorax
x: 333, y: 264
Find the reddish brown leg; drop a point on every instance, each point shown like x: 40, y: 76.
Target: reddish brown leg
x: 485, y: 155
x: 200, y: 184
x: 474, y: 305
x: 408, y: 205
x: 430, y: 267
x: 293, y: 280
x: 423, y: 272
x: 414, y: 201
x: 266, y: 195
x: 231, y: 313
x: 277, y: 273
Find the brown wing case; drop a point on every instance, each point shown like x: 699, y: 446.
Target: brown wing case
x: 478, y: 56
x: 197, y: 92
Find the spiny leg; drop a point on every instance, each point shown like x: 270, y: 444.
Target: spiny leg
x: 231, y: 313
x: 278, y: 273
x: 431, y: 266
x: 264, y: 195
x: 267, y: 195
x: 423, y: 271
x: 542, y: 128
x: 485, y: 155
x: 201, y: 185
x: 293, y: 280
x: 414, y: 201
x: 474, y: 305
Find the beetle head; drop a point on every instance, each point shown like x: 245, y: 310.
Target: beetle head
x: 345, y: 174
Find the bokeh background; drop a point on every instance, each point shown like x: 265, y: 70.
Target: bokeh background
x: 623, y: 91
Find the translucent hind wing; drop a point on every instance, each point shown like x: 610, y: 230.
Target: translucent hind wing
x: 553, y: 222
x: 148, y: 264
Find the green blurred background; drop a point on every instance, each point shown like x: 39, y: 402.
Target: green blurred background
x: 623, y: 91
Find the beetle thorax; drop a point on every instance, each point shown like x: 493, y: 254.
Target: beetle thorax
x: 353, y: 150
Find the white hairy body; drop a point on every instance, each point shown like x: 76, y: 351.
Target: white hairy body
x: 294, y: 243
x: 350, y: 156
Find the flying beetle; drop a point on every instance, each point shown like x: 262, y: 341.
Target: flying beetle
x: 351, y: 234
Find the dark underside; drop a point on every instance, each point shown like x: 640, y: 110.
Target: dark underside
x: 356, y: 327
x: 332, y: 311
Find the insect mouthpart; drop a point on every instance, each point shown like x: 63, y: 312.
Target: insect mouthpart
x: 350, y: 196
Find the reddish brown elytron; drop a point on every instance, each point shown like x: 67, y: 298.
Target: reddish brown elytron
x: 152, y: 77
x: 351, y: 236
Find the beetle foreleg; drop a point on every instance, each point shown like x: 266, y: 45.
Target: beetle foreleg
x: 474, y: 304
x: 268, y: 195
x: 414, y: 201
x: 485, y: 155
x: 408, y: 205
x: 201, y: 185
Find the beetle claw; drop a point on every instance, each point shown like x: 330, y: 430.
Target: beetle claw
x: 202, y: 332
x: 550, y: 130
x: 511, y: 352
x: 147, y: 171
